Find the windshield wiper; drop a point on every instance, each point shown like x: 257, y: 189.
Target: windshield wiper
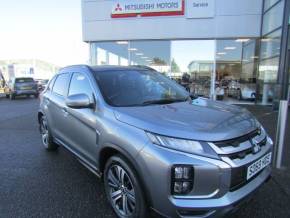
x: 163, y: 101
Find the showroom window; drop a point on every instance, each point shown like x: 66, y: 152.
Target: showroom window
x: 153, y: 53
x: 222, y: 69
x: 270, y: 44
x: 270, y: 51
x: 193, y: 62
x: 269, y: 3
x: 236, y: 63
x: 110, y: 53
x: 273, y: 18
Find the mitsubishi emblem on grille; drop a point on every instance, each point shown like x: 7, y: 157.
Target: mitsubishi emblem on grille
x: 255, y: 146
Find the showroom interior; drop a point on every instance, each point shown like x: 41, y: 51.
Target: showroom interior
x: 243, y: 70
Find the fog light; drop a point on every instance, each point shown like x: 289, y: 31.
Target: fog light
x: 182, y: 179
x: 178, y: 187
x: 182, y: 187
x: 182, y: 172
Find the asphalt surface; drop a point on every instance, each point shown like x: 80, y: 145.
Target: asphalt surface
x: 37, y: 183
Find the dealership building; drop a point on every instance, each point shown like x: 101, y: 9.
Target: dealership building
x: 234, y: 50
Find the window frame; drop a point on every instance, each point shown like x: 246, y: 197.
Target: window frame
x: 51, y: 82
x: 67, y: 85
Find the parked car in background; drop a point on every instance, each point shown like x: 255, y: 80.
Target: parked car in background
x: 41, y: 84
x: 242, y: 91
x: 152, y: 144
x: 22, y: 86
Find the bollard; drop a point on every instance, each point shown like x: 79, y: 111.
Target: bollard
x: 280, y: 134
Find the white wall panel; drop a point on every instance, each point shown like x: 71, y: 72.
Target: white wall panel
x: 233, y: 18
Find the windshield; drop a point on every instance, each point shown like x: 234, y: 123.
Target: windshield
x: 23, y: 80
x: 138, y: 88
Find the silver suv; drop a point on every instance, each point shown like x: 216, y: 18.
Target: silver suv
x: 154, y: 145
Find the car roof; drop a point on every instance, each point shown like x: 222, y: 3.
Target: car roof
x: 118, y: 68
x: 104, y: 68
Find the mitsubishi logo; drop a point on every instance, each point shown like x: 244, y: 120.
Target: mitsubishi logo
x: 118, y: 7
x: 255, y: 146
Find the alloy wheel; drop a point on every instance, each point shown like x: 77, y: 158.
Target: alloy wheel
x: 121, y: 191
x: 44, y: 132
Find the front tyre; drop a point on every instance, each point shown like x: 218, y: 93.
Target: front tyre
x: 46, y: 136
x: 123, y: 189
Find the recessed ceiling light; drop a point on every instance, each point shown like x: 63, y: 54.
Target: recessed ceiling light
x: 242, y: 40
x: 266, y: 40
x: 255, y: 57
x: 139, y: 54
x: 230, y: 48
x: 132, y: 49
x: 221, y: 53
x: 144, y: 57
x: 122, y: 42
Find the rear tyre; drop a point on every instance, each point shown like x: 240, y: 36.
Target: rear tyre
x: 7, y: 96
x: 123, y: 189
x: 46, y: 137
x: 36, y: 95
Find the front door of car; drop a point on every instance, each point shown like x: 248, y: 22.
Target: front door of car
x: 82, y: 122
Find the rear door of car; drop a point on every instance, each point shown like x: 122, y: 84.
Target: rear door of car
x: 56, y: 108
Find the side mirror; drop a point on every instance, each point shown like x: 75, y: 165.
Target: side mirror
x: 79, y: 101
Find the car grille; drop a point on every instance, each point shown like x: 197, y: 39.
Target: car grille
x: 239, y: 148
x: 238, y: 151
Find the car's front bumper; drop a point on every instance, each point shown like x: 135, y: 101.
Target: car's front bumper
x: 211, y: 195
x: 223, y: 205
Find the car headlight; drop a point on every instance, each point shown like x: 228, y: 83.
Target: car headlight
x: 184, y: 145
x: 263, y: 132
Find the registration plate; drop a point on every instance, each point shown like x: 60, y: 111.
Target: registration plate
x: 26, y: 88
x: 259, y: 165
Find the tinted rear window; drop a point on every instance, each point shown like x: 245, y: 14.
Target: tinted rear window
x: 23, y: 80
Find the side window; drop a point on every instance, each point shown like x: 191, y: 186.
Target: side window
x: 60, y: 84
x: 51, y: 82
x: 80, y: 85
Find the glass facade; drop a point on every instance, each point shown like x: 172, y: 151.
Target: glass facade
x: 269, y: 3
x: 221, y: 69
x: 273, y: 18
x: 267, y: 84
x: 243, y: 70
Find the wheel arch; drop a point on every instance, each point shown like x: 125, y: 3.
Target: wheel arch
x: 39, y: 115
x: 110, y: 150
